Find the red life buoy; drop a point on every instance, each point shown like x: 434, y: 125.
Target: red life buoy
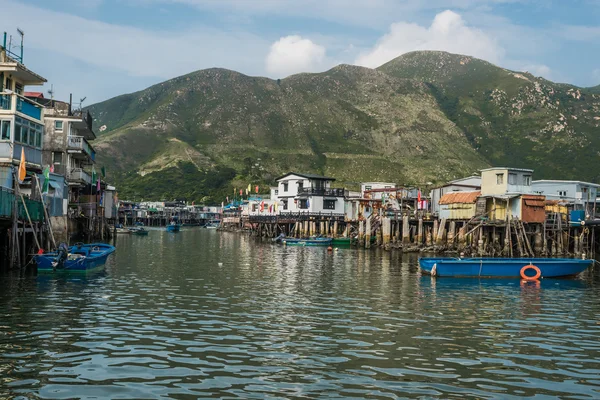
x: 537, y: 275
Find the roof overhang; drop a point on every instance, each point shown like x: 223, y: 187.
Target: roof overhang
x: 23, y: 74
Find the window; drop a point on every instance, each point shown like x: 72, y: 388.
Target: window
x: 329, y: 204
x: 512, y: 179
x: 5, y: 128
x: 584, y: 190
x: 303, y: 204
x: 527, y: 180
x: 19, y: 88
x: 285, y: 204
x: 28, y: 133
x: 285, y: 187
x: 276, y: 192
x: 58, y: 125
x: 57, y: 157
x: 300, y: 186
x: 562, y: 193
x: 368, y: 187
x: 9, y: 84
x: 499, y: 179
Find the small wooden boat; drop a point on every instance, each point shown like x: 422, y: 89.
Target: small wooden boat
x: 173, y: 227
x: 341, y: 242
x: 122, y: 230
x: 212, y: 225
x: 78, y: 258
x: 139, y: 231
x: 306, y: 242
x: 526, y: 268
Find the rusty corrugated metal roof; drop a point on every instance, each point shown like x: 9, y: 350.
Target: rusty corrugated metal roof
x: 460, y: 198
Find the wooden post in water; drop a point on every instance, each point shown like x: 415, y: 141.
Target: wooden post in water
x: 451, y: 231
x: 335, y: 229
x: 462, y: 237
x: 440, y: 235
x: 420, y: 232
x: 368, y: 234
x: 386, y: 228
x: 480, y: 242
x: 405, y: 230
x: 361, y: 233
x: 434, y: 232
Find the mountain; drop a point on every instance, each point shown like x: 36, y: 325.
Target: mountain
x: 350, y: 122
x: 423, y: 117
x: 512, y: 118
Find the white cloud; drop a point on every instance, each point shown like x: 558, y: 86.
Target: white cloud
x: 448, y: 32
x: 293, y: 54
x: 538, y: 70
x: 138, y: 52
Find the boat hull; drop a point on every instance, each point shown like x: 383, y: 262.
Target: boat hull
x: 82, y: 258
x: 341, y: 242
x: 307, y: 242
x: 173, y: 228
x: 503, y: 267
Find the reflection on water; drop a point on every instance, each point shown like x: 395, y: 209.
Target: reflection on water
x: 203, y: 313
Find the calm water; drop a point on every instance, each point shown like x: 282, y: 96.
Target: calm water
x: 208, y: 314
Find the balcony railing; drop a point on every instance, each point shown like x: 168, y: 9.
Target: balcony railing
x: 12, y: 152
x: 321, y: 192
x: 80, y: 143
x: 79, y: 175
x: 17, y: 103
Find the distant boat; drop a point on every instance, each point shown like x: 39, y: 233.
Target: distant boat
x: 526, y: 268
x: 78, y: 258
x: 212, y: 225
x: 307, y: 242
x: 342, y: 242
x: 139, y: 231
x: 121, y: 229
x: 173, y: 228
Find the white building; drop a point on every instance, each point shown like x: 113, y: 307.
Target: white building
x: 377, y: 187
x: 581, y: 194
x: 500, y: 181
x: 308, y: 193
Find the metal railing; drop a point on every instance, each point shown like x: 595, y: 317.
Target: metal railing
x: 85, y: 116
x: 20, y: 104
x: 322, y: 192
x: 80, y: 143
x: 79, y: 175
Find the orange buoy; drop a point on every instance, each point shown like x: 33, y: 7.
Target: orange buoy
x: 330, y: 248
x: 537, y: 275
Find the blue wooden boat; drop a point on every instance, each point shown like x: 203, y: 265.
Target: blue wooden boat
x: 78, y: 258
x: 173, y: 228
x: 307, y: 242
x: 526, y: 268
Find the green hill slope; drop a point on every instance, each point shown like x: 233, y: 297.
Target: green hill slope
x: 350, y: 122
x: 512, y: 118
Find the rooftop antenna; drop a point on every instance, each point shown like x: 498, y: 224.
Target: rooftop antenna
x: 81, y: 102
x: 22, y: 37
x: 51, y: 92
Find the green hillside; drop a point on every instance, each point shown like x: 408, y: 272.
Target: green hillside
x: 512, y: 118
x: 350, y: 122
x: 423, y: 117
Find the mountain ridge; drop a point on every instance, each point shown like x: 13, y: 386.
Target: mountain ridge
x: 415, y: 119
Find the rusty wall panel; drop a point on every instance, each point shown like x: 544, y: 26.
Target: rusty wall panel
x: 533, y: 214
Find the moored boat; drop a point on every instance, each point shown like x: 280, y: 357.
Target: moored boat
x: 526, y: 268
x: 342, y: 242
x: 139, y: 231
x: 122, y: 230
x: 78, y: 258
x: 173, y: 227
x: 306, y: 242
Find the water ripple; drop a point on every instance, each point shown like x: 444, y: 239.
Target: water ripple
x: 203, y: 314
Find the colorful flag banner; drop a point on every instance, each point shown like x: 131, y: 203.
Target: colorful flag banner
x: 22, y: 169
x: 103, y: 171
x: 256, y: 189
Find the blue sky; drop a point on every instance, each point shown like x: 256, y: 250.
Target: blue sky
x: 102, y: 48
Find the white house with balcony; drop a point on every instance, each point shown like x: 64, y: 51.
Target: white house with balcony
x: 67, y: 142
x: 21, y: 119
x: 308, y: 193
